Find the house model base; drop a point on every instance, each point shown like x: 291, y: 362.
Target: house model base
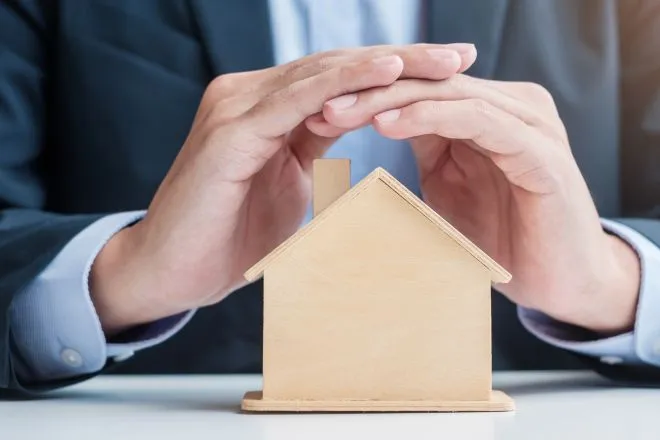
x: 253, y: 402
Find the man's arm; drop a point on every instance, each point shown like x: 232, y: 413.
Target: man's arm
x: 55, y: 328
x: 632, y: 356
x: 639, y: 30
x: 29, y: 237
x: 634, y: 350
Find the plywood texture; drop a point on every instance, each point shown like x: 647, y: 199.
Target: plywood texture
x: 377, y: 303
x: 332, y: 179
x: 380, y: 176
x: 253, y: 402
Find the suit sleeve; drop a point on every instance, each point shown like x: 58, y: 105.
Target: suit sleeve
x: 30, y: 236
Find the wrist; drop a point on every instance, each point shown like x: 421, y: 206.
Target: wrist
x: 609, y: 305
x: 621, y: 290
x: 122, y: 285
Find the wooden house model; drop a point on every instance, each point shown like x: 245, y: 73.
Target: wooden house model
x: 377, y: 304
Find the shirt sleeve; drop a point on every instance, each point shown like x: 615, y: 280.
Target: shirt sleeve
x: 640, y: 346
x: 55, y: 329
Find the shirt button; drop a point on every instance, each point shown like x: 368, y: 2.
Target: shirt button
x: 611, y: 360
x: 71, y: 357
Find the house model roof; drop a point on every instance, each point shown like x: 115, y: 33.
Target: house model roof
x: 498, y: 273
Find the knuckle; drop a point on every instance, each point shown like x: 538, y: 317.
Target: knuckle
x: 306, y: 68
x: 326, y: 63
x: 337, y: 80
x: 292, y: 69
x: 460, y: 84
x: 330, y: 54
x: 291, y: 92
x: 424, y: 111
x: 421, y: 46
x: 538, y: 92
x: 395, y: 90
x: 223, y: 85
x: 346, y: 71
x: 289, y: 97
x: 481, y: 108
x: 381, y: 51
x: 339, y: 53
x: 430, y: 107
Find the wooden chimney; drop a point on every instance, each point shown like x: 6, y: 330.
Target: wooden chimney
x: 332, y: 179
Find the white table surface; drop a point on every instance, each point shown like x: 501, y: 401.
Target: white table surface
x: 573, y: 405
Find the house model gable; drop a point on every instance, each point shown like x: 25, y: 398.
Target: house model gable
x: 377, y: 304
x: 381, y: 176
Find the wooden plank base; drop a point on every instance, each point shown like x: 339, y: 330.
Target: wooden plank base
x: 253, y: 402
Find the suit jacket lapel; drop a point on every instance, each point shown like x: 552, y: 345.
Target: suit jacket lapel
x: 236, y: 34
x: 469, y: 21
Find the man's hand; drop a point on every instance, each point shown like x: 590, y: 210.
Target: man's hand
x: 494, y: 159
x: 241, y: 183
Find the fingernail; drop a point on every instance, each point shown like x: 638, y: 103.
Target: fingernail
x: 449, y: 58
x: 461, y: 48
x: 343, y: 102
x: 390, y: 60
x: 389, y: 116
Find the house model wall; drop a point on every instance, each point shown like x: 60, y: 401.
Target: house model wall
x: 377, y: 300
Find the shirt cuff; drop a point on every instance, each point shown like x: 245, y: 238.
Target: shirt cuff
x: 55, y: 328
x: 640, y: 346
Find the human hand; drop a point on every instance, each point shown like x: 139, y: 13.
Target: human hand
x: 494, y: 159
x: 241, y: 183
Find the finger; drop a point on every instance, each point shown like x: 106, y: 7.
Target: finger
x: 471, y: 119
x: 519, y: 150
x: 220, y: 95
x: 415, y: 59
x: 224, y: 86
x: 320, y: 127
x: 284, y: 109
x: 435, y: 61
x: 356, y: 110
x: 527, y: 91
x: 468, y: 53
x: 543, y: 101
x: 430, y: 61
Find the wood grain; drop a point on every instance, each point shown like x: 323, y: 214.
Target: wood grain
x: 378, y: 301
x: 253, y: 402
x: 331, y: 180
x: 498, y: 273
x: 383, y: 307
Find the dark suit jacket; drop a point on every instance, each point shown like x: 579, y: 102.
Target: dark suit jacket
x: 97, y: 96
